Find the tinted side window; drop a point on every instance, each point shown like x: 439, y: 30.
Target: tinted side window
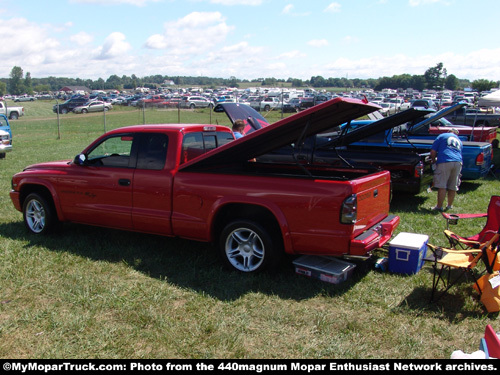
x: 153, y: 151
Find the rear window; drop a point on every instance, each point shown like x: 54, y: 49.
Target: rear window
x: 198, y: 143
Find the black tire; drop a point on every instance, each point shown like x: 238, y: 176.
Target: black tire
x: 38, y: 214
x: 64, y: 111
x: 247, y: 247
x: 84, y: 111
x: 14, y: 116
x: 192, y: 106
x: 267, y: 108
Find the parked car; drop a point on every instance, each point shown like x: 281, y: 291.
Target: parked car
x: 171, y: 102
x: 425, y: 103
x: 69, y: 105
x: 95, y: 106
x: 388, y: 109
x: 25, y: 98
x: 193, y: 102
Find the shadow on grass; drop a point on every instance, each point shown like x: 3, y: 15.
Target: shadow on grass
x: 416, y: 203
x: 459, y: 302
x: 188, y: 264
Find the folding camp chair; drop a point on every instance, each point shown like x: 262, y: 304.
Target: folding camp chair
x: 450, y: 265
x: 447, y: 263
x: 491, y: 227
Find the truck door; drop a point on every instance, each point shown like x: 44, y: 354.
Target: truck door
x: 102, y: 184
x: 152, y: 186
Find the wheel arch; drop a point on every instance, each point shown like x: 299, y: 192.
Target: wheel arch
x: 42, y: 190
x: 269, y: 217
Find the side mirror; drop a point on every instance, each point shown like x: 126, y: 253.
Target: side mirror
x: 80, y: 159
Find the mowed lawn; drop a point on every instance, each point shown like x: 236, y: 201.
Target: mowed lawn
x: 89, y: 292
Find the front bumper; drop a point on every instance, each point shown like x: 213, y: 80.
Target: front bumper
x: 5, y: 148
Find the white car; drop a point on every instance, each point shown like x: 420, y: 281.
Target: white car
x: 388, y: 109
x: 95, y: 106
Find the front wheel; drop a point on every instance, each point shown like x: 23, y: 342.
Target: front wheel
x: 248, y: 247
x: 39, y: 217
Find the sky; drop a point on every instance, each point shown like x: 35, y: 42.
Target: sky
x: 250, y: 39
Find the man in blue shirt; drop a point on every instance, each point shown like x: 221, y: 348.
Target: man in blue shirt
x: 446, y: 153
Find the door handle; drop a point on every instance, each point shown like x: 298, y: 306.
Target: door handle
x: 124, y: 182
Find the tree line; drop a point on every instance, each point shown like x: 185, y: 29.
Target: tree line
x: 435, y: 78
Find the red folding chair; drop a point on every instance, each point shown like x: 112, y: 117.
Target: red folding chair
x: 474, y: 242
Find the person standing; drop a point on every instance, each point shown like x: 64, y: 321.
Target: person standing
x: 446, y: 153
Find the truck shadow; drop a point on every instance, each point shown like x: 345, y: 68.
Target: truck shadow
x: 187, y: 264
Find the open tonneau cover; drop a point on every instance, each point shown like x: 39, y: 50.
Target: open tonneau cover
x: 286, y: 131
x: 238, y: 111
x: 442, y: 113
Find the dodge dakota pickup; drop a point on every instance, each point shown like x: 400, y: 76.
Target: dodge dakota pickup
x: 197, y: 182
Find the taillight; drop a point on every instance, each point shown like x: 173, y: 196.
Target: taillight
x: 419, y: 170
x: 349, y: 212
x: 480, y: 159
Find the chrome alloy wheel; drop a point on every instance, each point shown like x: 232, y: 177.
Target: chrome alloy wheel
x: 244, y: 249
x: 35, y: 216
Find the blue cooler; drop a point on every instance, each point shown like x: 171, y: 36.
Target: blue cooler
x: 407, y: 252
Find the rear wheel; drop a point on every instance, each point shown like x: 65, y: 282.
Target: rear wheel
x: 247, y: 247
x: 39, y: 216
x: 14, y: 116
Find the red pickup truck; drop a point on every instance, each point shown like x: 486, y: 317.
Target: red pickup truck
x: 197, y: 182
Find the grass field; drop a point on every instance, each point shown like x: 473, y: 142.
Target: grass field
x: 90, y: 292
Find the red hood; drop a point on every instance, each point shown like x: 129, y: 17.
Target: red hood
x: 49, y: 165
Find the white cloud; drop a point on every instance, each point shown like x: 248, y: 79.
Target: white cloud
x: 333, y: 8
x: 82, y: 38
x: 114, y: 45
x: 318, y: 43
x: 195, y: 33
x: 287, y: 9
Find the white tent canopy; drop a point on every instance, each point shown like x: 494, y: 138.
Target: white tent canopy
x: 490, y: 100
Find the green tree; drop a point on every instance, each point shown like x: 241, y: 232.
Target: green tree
x: 435, y: 77
x: 483, y: 85
x: 16, y: 85
x: 451, y: 82
x: 28, y: 84
x: 3, y: 88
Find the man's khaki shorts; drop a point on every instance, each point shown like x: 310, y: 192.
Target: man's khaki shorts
x: 447, y: 175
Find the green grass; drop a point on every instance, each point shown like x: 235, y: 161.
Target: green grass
x: 97, y: 293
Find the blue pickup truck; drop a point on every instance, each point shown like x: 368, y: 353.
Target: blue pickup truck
x: 5, y: 136
x: 477, y: 156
